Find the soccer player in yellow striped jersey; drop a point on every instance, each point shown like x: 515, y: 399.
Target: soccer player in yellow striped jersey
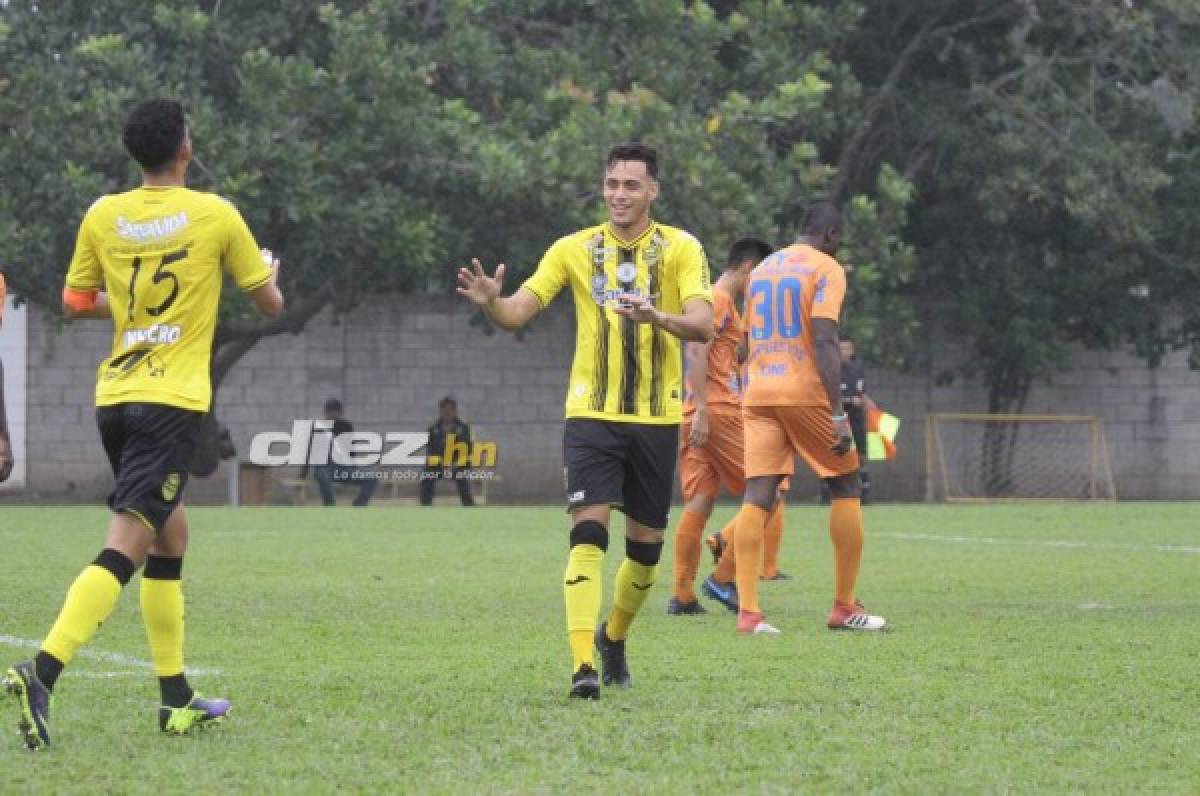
x: 151, y: 259
x: 639, y: 288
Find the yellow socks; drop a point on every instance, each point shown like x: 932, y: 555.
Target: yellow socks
x: 846, y: 533
x: 90, y: 600
x: 633, y: 583
x: 162, y: 613
x: 583, y: 591
x: 687, y: 554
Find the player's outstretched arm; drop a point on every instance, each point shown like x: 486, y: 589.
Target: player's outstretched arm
x: 695, y: 324
x: 509, y: 313
x: 268, y: 298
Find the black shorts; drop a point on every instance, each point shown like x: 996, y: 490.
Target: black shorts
x: 149, y: 447
x: 630, y: 466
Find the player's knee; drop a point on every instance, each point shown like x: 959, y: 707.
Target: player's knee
x: 845, y: 486
x: 645, y: 553
x: 761, y: 492
x: 590, y: 532
x: 117, y: 563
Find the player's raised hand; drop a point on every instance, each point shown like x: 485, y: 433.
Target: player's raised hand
x: 479, y: 288
x: 845, y: 436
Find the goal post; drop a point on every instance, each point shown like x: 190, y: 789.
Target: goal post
x: 984, y: 458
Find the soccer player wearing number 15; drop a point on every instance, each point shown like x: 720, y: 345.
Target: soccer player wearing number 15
x: 151, y: 259
x: 793, y: 301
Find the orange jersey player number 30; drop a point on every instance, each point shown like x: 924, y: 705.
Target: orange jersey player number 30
x: 785, y: 292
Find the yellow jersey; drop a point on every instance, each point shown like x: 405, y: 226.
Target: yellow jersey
x: 158, y: 253
x: 623, y: 370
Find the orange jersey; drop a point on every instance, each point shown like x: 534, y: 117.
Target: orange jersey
x: 785, y: 293
x: 724, y: 379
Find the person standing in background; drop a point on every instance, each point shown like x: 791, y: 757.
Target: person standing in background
x: 6, y: 452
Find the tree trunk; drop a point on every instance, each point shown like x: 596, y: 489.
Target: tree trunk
x: 230, y: 344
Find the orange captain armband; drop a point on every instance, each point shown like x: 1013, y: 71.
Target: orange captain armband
x: 80, y: 300
x: 3, y: 298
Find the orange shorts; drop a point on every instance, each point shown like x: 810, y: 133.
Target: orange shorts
x: 775, y: 435
x: 704, y: 470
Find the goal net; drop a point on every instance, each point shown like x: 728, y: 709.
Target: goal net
x: 992, y: 457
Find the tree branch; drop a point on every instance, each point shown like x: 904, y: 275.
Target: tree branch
x: 233, y: 340
x: 851, y: 161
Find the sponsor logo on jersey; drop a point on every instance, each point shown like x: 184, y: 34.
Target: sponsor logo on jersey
x: 158, y: 334
x: 154, y: 229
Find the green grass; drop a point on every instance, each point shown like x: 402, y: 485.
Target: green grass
x: 423, y: 650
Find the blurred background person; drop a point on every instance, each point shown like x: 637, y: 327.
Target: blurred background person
x: 444, y: 462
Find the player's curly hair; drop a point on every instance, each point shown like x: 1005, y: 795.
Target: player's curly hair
x: 154, y: 132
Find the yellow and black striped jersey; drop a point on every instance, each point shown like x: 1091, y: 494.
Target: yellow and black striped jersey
x: 158, y: 253
x: 624, y: 371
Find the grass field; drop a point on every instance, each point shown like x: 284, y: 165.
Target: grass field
x: 1044, y: 648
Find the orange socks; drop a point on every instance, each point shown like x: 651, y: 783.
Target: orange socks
x: 748, y: 541
x: 846, y: 533
x: 687, y: 554
x: 724, y: 571
x: 772, y: 537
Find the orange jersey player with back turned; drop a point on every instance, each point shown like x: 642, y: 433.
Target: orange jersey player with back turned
x: 711, y: 451
x: 793, y: 303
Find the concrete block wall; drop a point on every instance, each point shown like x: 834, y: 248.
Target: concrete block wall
x: 390, y: 361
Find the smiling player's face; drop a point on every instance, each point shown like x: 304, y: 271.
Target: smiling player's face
x: 628, y: 192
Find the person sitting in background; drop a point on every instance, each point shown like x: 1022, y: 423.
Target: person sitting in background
x: 330, y: 473
x: 442, y: 461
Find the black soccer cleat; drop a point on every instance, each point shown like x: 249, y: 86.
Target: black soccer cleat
x: 33, y: 700
x: 677, y: 608
x: 615, y: 670
x: 585, y: 683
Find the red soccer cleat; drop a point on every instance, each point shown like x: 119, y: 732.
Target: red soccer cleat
x: 752, y: 623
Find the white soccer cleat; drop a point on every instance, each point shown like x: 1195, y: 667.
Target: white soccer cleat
x: 853, y: 617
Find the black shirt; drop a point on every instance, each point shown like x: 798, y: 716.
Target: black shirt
x: 437, y: 438
x: 853, y: 386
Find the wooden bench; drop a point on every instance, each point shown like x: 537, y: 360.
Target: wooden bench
x: 391, y: 491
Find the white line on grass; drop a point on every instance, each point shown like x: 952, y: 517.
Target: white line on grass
x: 100, y: 655
x: 992, y: 540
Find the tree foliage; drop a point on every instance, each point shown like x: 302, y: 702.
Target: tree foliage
x: 1022, y: 171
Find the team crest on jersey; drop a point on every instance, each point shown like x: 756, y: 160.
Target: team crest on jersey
x: 599, y: 252
x: 653, y: 253
x: 170, y: 487
x: 599, y: 286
